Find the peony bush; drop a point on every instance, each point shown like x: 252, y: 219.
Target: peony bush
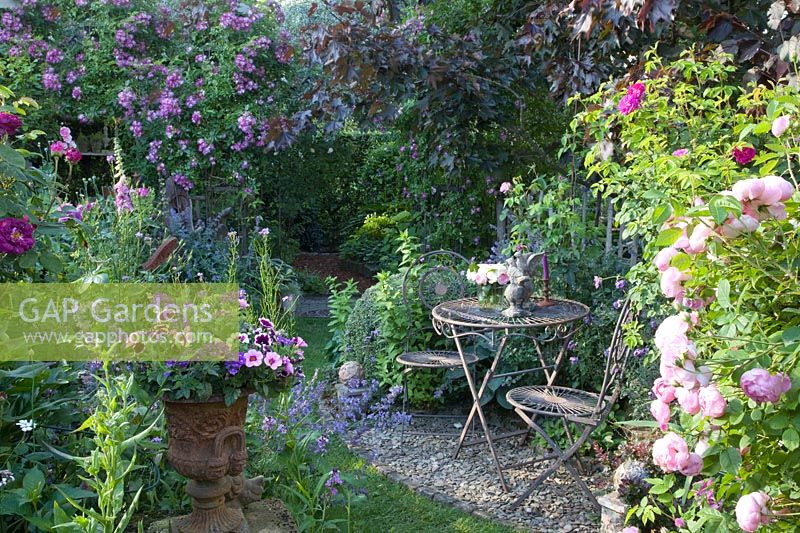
x: 705, y: 174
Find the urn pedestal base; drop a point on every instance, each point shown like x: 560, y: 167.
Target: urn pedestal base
x: 266, y: 516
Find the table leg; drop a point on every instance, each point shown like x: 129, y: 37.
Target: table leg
x: 476, y: 407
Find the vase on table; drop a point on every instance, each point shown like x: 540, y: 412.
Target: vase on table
x: 491, y: 297
x: 207, y: 446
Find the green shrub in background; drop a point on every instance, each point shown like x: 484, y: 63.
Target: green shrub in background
x: 374, y: 244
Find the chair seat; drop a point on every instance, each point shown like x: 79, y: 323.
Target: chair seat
x: 435, y: 359
x: 553, y: 401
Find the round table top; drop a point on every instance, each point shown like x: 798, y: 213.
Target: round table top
x: 466, y: 312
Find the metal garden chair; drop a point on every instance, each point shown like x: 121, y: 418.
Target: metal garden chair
x: 435, y: 277
x: 581, y: 408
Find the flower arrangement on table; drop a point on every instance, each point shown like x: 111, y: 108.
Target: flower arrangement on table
x: 491, y: 279
x: 268, y: 362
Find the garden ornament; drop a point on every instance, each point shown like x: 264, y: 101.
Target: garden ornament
x: 520, y: 268
x: 350, y: 372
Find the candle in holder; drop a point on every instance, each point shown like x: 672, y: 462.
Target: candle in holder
x: 545, y: 268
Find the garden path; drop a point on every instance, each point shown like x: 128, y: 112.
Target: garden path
x: 329, y: 264
x: 469, y: 483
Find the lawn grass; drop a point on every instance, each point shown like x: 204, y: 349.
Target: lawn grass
x: 389, y: 506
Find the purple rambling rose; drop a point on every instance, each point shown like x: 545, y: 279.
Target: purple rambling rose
x: 761, y: 386
x: 9, y: 124
x: 16, y: 236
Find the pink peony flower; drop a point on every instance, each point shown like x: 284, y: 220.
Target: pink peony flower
x: 253, y: 358
x: 752, y: 511
x: 663, y: 390
x: 693, y: 466
x: 680, y: 152
x: 273, y: 360
x: 9, y: 124
x: 73, y: 155
x: 744, y: 155
x: 670, y: 452
x: 503, y: 278
x: 712, y: 403
x: 16, y: 236
x: 780, y: 125
x: 671, y: 280
x: 761, y: 386
x: 505, y: 187
x: 689, y: 400
x: 663, y: 258
x: 660, y: 412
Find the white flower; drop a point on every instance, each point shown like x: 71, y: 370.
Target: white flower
x: 26, y: 425
x: 6, y: 477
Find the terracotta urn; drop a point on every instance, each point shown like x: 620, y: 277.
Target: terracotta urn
x: 207, y: 446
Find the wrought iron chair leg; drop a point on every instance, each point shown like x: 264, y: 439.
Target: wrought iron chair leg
x: 407, y: 421
x: 571, y: 441
x: 563, y: 459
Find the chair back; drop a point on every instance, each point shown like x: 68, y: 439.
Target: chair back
x: 436, y: 277
x: 616, y: 361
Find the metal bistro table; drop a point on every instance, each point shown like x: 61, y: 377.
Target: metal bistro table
x: 545, y: 325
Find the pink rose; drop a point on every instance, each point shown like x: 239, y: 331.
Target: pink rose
x: 680, y: 152
x: 663, y: 390
x: 670, y: 337
x: 701, y: 447
x: 503, y: 278
x: 776, y: 189
x: 780, y: 125
x: 700, y: 234
x: 660, y: 412
x: 663, y: 258
x: 712, y: 403
x: 689, y: 400
x: 671, y: 280
x: 670, y: 452
x: 733, y: 227
x: 505, y: 187
x: 748, y: 189
x: 693, y: 466
x: 777, y: 211
x: 751, y: 511
x: 480, y: 279
x: 685, y: 374
x: 761, y: 386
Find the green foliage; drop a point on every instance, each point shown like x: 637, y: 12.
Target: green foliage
x: 28, y: 190
x: 340, y: 309
x: 742, y: 286
x: 111, y: 460
x: 375, y: 243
